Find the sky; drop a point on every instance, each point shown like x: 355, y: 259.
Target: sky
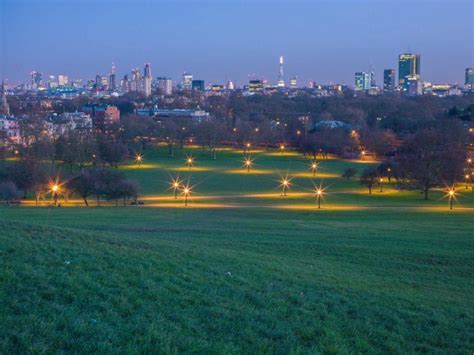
x: 216, y: 40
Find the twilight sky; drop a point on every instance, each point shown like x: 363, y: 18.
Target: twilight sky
x: 326, y: 41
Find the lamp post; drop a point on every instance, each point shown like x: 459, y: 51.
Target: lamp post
x: 467, y: 176
x: 247, y: 164
x: 451, y: 194
x: 186, y: 192
x: 314, y: 167
x: 285, y: 184
x: 139, y: 159
x: 282, y: 148
x: 55, y: 190
x: 381, y: 184
x: 189, y: 161
x: 175, y: 185
x: 319, y: 195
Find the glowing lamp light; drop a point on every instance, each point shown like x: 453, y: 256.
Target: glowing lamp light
x: 319, y: 195
x: 139, y: 159
x: 189, y: 161
x: 285, y: 185
x: 451, y: 196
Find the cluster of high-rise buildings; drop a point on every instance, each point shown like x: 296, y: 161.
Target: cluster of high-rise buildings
x: 409, y: 80
x: 406, y: 81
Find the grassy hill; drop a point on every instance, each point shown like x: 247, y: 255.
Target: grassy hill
x: 133, y: 279
x: 382, y: 273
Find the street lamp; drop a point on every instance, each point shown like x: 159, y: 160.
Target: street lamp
x: 451, y: 196
x: 139, y: 159
x: 319, y: 195
x: 282, y: 148
x: 55, y: 192
x: 381, y: 184
x: 175, y: 185
x: 248, y: 164
x: 467, y: 176
x: 314, y: 167
x: 189, y: 161
x: 285, y: 185
x: 186, y: 191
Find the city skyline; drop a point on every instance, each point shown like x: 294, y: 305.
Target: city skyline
x: 202, y: 38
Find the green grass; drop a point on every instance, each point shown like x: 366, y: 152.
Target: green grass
x: 256, y: 279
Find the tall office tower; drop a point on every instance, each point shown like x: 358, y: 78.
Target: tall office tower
x: 415, y: 87
x: 362, y: 81
x: 147, y: 78
x: 373, y: 83
x: 198, y: 85
x: 408, y: 69
x: 187, y: 81
x: 52, y: 82
x: 125, y: 84
x: 469, y: 78
x: 63, y: 80
x: 36, y: 79
x: 136, y: 81
x: 294, y: 83
x: 165, y: 86
x: 281, y: 80
x: 389, y: 80
x: 112, y: 81
x: 5, y: 109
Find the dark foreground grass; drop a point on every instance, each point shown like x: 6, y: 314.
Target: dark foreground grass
x: 172, y: 280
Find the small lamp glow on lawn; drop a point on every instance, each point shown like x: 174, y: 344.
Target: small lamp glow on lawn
x: 451, y: 196
x: 285, y: 185
x: 467, y: 177
x: 186, y: 191
x: 189, y: 161
x: 248, y: 164
x: 54, y: 187
x: 175, y: 185
x: 314, y: 167
x: 282, y: 148
x: 139, y: 159
x: 319, y: 195
x: 381, y: 184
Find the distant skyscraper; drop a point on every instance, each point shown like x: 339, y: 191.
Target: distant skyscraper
x: 52, y: 82
x: 408, y: 68
x: 147, y: 79
x: 281, y: 80
x: 5, y: 109
x: 125, y: 84
x: 112, y: 81
x: 63, y: 80
x: 415, y: 87
x: 136, y: 83
x: 469, y: 78
x: 362, y: 81
x: 293, y: 83
x: 373, y: 82
x: 165, y: 86
x: 187, y: 81
x: 389, y: 80
x: 36, y: 79
x: 198, y: 85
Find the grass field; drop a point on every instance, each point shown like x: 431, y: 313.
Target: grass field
x: 242, y: 269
